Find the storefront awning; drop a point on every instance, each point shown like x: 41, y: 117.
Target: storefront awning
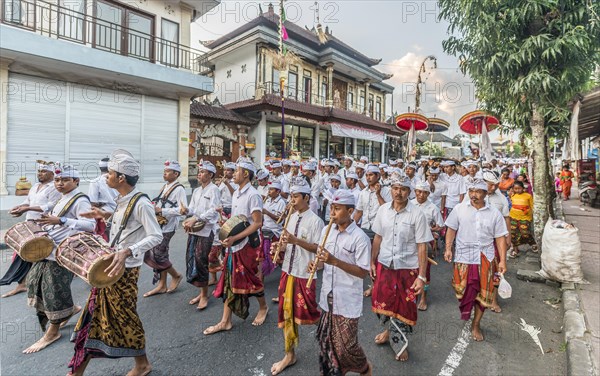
x: 343, y: 130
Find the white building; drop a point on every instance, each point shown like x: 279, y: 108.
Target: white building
x: 80, y: 78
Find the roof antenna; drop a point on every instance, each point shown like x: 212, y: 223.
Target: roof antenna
x: 320, y: 34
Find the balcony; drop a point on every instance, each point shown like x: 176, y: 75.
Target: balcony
x: 57, y: 22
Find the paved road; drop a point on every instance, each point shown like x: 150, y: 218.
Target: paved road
x: 176, y: 346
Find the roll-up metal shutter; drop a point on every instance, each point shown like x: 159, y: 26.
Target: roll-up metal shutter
x: 159, y: 137
x: 36, y: 124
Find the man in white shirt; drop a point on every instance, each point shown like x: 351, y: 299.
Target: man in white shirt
x: 203, y: 204
x: 352, y: 184
x: 114, y: 328
x: 168, y: 206
x: 410, y: 172
x: 276, y: 175
x: 335, y: 181
x: 101, y: 196
x: 436, y: 225
x: 297, y: 303
x: 273, y: 211
x: 455, y: 186
x: 48, y: 283
x: 500, y: 202
x: 227, y: 186
x: 43, y: 194
x: 476, y: 226
x: 240, y: 279
x: 398, y: 266
x: 347, y: 256
x: 370, y: 199
x: 438, y: 189
x: 262, y: 176
x: 316, y: 184
x: 360, y: 172
x: 348, y: 168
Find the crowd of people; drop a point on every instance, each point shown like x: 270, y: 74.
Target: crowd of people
x: 350, y: 219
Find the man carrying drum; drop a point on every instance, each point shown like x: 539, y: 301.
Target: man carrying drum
x: 42, y: 194
x: 48, y: 283
x: 110, y: 326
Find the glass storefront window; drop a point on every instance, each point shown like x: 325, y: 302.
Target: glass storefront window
x: 298, y: 139
x: 336, y: 146
x: 323, y: 139
x: 376, y: 152
x: 305, y: 141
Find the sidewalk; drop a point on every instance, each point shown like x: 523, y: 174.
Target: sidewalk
x: 585, y: 298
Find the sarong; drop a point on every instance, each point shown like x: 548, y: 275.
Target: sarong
x: 339, y: 350
x: 49, y: 292
x: 100, y: 229
x: 110, y: 326
x: 297, y: 306
x: 474, y: 284
x: 267, y: 266
x: 520, y: 232
x: 198, y: 249
x: 158, y: 257
x: 214, y: 260
x: 17, y: 271
x: 392, y: 295
x: 240, y: 278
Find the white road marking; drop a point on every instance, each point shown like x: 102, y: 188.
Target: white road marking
x: 456, y: 355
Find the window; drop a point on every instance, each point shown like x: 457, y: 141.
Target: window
x: 324, y: 89
x: 350, y: 101
x: 375, y: 151
x: 122, y: 30
x: 371, y: 105
x: 298, y: 139
x: 361, y: 102
x: 275, y: 88
x: 307, y: 91
x: 292, y: 85
x: 323, y: 143
x: 70, y: 20
x: 378, y: 110
x: 169, y: 45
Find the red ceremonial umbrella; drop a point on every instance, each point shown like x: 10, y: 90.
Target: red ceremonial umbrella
x: 411, y: 122
x: 437, y: 125
x: 472, y: 122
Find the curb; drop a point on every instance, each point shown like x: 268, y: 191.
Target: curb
x: 579, y: 350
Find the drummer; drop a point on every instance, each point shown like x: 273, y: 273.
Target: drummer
x: 41, y: 194
x: 273, y: 211
x: 240, y: 278
x: 48, y: 283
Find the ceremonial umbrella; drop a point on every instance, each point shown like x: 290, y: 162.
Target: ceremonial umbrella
x: 411, y: 122
x: 479, y: 123
x: 436, y: 125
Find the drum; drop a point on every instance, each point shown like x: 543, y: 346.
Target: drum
x: 29, y: 240
x: 233, y: 226
x: 83, y: 254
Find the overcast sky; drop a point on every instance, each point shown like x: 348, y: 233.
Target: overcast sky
x: 402, y: 33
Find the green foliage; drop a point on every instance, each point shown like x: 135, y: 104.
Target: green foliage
x: 525, y: 54
x: 427, y: 148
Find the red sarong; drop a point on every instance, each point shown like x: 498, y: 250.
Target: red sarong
x: 100, y: 229
x: 306, y: 309
x: 474, y: 284
x: 242, y: 266
x: 392, y: 295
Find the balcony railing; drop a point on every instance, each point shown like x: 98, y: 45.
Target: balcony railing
x: 60, y: 22
x: 292, y: 92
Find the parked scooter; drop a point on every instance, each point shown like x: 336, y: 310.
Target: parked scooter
x: 589, y: 193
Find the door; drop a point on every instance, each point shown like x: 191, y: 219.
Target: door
x: 307, y: 94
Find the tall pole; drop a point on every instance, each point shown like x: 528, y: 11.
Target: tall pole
x: 282, y: 81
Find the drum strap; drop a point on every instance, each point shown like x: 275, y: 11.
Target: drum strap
x: 136, y: 197
x: 70, y: 203
x: 165, y: 199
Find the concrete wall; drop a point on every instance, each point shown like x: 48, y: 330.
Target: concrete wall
x: 241, y: 83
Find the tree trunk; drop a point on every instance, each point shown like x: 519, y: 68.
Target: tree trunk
x: 541, y: 194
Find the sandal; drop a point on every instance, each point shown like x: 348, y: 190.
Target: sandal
x: 535, y: 249
x: 513, y: 254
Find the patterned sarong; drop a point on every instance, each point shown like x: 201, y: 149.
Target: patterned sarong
x: 267, y: 265
x: 474, y: 284
x: 520, y: 232
x: 214, y: 260
x: 198, y: 250
x: 392, y: 295
x: 297, y: 306
x: 110, y: 326
x: 49, y: 292
x: 158, y: 257
x: 339, y: 350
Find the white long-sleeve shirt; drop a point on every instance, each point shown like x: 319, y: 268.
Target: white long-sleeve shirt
x: 100, y: 192
x: 42, y: 195
x: 202, y: 207
x: 75, y: 222
x: 171, y: 212
x: 142, y: 232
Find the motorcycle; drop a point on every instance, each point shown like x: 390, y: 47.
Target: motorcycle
x: 589, y: 193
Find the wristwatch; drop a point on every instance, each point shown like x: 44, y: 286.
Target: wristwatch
x: 424, y: 279
x: 63, y: 220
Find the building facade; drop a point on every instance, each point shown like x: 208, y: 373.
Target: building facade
x: 81, y: 78
x: 335, y: 98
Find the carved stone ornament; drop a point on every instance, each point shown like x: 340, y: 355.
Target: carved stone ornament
x: 219, y: 130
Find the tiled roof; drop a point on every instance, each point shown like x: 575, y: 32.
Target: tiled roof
x: 272, y: 102
x: 218, y: 113
x: 437, y: 137
x: 272, y: 21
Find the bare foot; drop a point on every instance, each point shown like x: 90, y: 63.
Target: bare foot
x: 275, y: 300
x: 213, y: 282
x: 220, y: 327
x: 261, y: 316
x: 17, y: 290
x: 422, y: 305
x: 476, y: 332
x: 202, y: 303
x: 156, y: 291
x: 76, y: 310
x: 41, y: 344
x: 402, y: 357
x: 195, y: 300
x: 140, y: 371
x: 175, y: 283
x: 368, y: 291
x: 284, y: 363
x: 382, y: 337
x: 496, y: 308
